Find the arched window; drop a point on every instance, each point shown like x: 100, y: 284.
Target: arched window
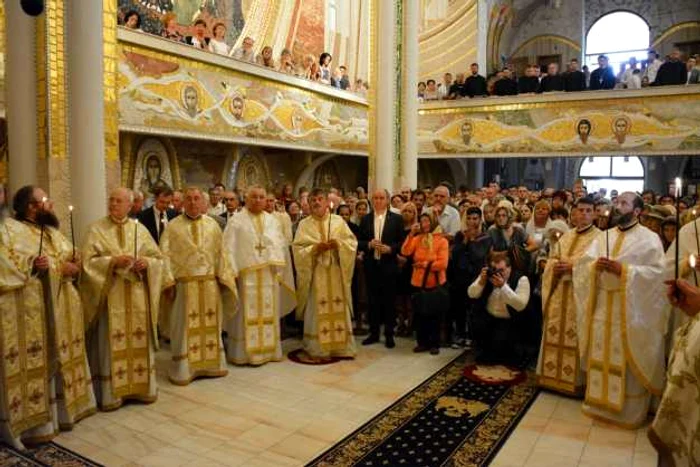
x: 619, y: 35
x: 612, y: 173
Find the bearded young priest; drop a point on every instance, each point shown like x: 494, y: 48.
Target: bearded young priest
x: 622, y: 319
x: 324, y: 255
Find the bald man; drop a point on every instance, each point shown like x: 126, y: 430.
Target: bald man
x: 381, y: 234
x: 123, y: 275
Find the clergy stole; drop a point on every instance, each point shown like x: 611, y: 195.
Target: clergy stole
x: 66, y: 327
x: 256, y: 251
x: 559, y: 367
x: 192, y: 250
x: 621, y: 323
x: 128, y: 300
x: 325, y: 280
x: 24, y: 375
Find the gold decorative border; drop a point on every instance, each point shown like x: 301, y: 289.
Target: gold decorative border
x: 110, y: 91
x: 547, y: 37
x: 673, y: 29
x: 449, y: 22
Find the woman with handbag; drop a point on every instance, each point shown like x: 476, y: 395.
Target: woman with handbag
x: 430, y: 251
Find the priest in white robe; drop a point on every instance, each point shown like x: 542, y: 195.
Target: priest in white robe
x: 70, y: 378
x: 558, y: 366
x: 324, y: 254
x: 123, y: 274
x: 622, y: 319
x: 197, y: 271
x: 257, y: 253
x: 25, y: 412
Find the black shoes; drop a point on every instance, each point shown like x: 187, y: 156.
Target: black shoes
x: 370, y: 340
x: 419, y: 349
x: 389, y: 343
x: 435, y: 351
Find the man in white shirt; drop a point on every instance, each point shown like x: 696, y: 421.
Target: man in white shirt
x: 653, y: 65
x: 245, y: 53
x: 500, y: 294
x: 216, y: 207
x: 628, y: 75
x: 444, y: 88
x: 447, y: 216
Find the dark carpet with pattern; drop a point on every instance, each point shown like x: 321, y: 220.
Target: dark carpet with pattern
x: 50, y: 454
x: 448, y: 420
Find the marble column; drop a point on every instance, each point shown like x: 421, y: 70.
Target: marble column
x: 409, y: 103
x: 87, y: 97
x: 20, y: 73
x: 383, y: 97
x: 482, y: 33
x: 476, y: 179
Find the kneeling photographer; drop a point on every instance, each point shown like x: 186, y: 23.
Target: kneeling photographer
x: 500, y: 293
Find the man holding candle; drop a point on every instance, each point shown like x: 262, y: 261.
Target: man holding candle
x: 74, y: 394
x: 197, y: 273
x: 621, y: 318
x: 25, y: 412
x: 558, y: 366
x: 257, y: 252
x: 123, y: 274
x: 324, y: 254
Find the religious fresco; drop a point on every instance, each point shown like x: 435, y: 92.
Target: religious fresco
x: 152, y: 167
x: 654, y: 124
x: 175, y: 95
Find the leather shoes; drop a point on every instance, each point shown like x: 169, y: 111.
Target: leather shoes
x: 389, y: 343
x: 434, y: 351
x: 370, y: 340
x: 419, y: 349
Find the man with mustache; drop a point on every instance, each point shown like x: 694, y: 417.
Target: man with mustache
x: 324, y: 254
x: 25, y: 412
x: 64, y: 313
x: 622, y: 318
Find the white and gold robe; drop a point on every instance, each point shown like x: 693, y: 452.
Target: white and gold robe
x: 675, y: 432
x: 323, y: 286
x: 25, y: 410
x: 75, y: 396
x: 257, y: 253
x: 196, y: 267
x: 558, y: 366
x: 122, y: 311
x: 621, y: 324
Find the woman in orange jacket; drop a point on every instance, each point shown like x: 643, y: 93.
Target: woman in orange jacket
x: 428, y: 248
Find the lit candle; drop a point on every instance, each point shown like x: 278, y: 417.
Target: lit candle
x: 558, y: 237
x: 678, y: 223
x: 72, y: 230
x: 697, y: 237
x: 330, y: 216
x: 692, y: 262
x: 607, y: 234
x: 136, y: 237
x: 41, y: 238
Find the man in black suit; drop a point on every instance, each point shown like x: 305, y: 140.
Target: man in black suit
x: 232, y: 203
x: 602, y: 77
x: 156, y: 218
x: 380, y: 237
x: 475, y: 85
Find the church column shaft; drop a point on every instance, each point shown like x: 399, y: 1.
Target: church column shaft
x: 409, y: 100
x: 20, y: 72
x: 87, y: 140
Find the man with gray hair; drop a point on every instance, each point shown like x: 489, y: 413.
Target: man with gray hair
x: 123, y: 275
x: 447, y: 216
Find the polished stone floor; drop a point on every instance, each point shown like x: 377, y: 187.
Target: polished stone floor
x: 284, y: 414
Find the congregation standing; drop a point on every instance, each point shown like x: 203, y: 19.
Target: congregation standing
x: 566, y: 283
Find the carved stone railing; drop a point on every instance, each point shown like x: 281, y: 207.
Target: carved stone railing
x: 659, y: 120
x: 169, y: 88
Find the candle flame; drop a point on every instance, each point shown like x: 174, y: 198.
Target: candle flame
x: 607, y: 213
x: 44, y: 199
x: 695, y: 213
x: 70, y: 208
x: 692, y: 261
x: 136, y: 221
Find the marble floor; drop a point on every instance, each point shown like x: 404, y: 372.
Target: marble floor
x: 284, y: 414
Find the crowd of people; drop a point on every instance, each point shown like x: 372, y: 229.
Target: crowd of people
x: 565, y: 282
x: 549, y: 78
x: 212, y: 38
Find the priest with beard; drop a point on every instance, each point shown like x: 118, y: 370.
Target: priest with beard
x: 25, y: 412
x: 558, y: 367
x: 324, y: 254
x: 71, y: 377
x: 621, y: 319
x: 257, y: 251
x: 123, y: 274
x: 197, y: 274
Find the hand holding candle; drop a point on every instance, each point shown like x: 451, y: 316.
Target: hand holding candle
x: 607, y: 234
x: 692, y: 262
x: 72, y: 230
x: 678, y: 224
x: 330, y: 218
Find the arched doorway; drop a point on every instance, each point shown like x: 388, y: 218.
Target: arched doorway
x: 619, y: 35
x: 612, y: 173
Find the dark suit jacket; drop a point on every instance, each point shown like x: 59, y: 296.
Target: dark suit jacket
x: 391, y: 236
x: 148, y: 219
x: 671, y: 73
x: 574, y: 81
x: 188, y: 40
x: 475, y: 86
x: 552, y: 83
x: 602, y: 79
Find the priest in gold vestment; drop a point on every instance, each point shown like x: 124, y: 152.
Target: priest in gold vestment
x: 622, y: 318
x: 191, y: 246
x: 257, y: 253
x: 675, y: 432
x: 558, y: 366
x: 123, y: 273
x: 75, y: 398
x: 324, y: 255
x: 25, y: 412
